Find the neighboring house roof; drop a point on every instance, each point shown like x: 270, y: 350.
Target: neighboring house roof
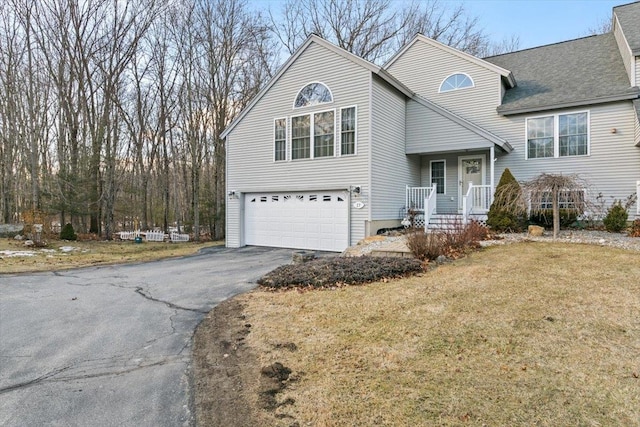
x: 478, y: 130
x: 506, y: 74
x: 574, y: 73
x: 338, y: 50
x: 629, y: 16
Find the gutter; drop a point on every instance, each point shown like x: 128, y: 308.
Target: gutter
x: 506, y: 111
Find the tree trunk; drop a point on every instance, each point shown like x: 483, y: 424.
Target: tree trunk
x: 556, y: 213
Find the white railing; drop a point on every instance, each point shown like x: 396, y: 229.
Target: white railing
x: 476, y: 200
x: 638, y: 198
x: 430, y: 206
x: 416, y: 197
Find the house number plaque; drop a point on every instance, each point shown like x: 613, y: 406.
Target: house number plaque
x: 358, y: 205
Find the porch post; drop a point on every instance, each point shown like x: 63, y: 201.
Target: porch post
x: 492, y: 169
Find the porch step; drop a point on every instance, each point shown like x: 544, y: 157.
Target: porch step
x: 445, y: 222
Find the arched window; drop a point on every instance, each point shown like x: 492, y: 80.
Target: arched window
x: 455, y: 82
x: 313, y: 94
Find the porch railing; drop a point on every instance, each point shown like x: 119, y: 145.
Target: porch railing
x: 430, y: 206
x: 416, y: 197
x: 476, y: 200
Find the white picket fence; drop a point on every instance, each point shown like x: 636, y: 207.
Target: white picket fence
x: 154, y: 236
x: 128, y: 235
x: 177, y: 237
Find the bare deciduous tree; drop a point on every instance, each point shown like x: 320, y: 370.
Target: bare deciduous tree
x: 375, y: 29
x: 603, y: 26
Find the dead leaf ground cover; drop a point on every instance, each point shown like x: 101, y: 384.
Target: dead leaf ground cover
x: 88, y: 253
x: 527, y: 334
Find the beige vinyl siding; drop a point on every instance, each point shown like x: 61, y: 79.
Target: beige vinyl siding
x: 613, y: 166
x: 637, y: 70
x: 423, y: 67
x: 625, y: 51
x: 250, y: 144
x: 637, y: 131
x: 391, y: 169
x: 428, y: 132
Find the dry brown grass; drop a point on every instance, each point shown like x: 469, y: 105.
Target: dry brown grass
x: 529, y: 334
x: 90, y: 253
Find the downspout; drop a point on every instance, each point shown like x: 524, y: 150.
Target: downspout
x: 370, y: 172
x: 492, y: 167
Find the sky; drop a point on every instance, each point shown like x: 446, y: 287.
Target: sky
x: 536, y: 23
x: 540, y: 22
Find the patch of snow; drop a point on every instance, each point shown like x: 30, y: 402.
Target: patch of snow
x: 48, y: 250
x: 68, y: 248
x: 15, y: 254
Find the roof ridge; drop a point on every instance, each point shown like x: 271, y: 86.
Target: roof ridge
x: 626, y: 4
x: 549, y: 44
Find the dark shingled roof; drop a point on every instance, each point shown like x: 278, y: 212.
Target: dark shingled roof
x: 629, y: 18
x: 576, y: 72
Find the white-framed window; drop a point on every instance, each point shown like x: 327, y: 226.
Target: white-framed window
x: 567, y: 199
x: 348, y: 131
x: 313, y: 135
x: 558, y: 135
x: 323, y: 134
x: 280, y: 140
x: 456, y: 81
x: 438, y: 170
x: 313, y: 94
x: 301, y: 137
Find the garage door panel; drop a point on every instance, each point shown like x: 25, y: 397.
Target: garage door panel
x: 305, y: 220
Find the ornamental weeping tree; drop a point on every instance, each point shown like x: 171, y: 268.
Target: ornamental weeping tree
x: 545, y: 188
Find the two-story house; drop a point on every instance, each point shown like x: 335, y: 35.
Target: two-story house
x: 334, y: 147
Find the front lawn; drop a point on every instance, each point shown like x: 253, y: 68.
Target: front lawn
x: 15, y: 257
x: 526, y: 334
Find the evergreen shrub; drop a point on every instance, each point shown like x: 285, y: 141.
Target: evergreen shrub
x: 504, y: 214
x: 68, y: 233
x: 616, y: 219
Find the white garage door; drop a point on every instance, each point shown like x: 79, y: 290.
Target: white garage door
x: 305, y: 220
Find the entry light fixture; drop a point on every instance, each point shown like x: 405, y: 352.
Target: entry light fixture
x: 232, y: 194
x: 356, y: 189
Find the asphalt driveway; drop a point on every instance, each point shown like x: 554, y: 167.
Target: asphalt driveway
x: 111, y: 346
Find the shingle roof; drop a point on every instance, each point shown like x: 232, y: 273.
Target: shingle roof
x: 577, y: 72
x: 629, y: 18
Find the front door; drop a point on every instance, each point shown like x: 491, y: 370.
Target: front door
x: 470, y: 170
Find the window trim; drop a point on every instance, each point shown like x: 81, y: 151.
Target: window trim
x: 337, y: 133
x: 314, y: 105
x: 312, y: 135
x: 286, y: 139
x: 444, y: 177
x: 355, y: 132
x: 473, y: 84
x: 556, y: 134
